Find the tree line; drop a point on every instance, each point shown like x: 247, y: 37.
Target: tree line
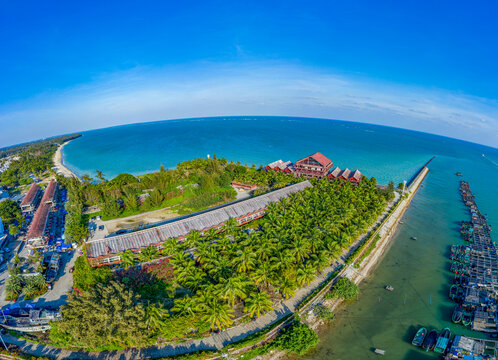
x: 219, y: 274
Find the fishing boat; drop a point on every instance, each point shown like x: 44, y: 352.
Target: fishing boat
x: 442, y: 341
x: 430, y: 340
x: 389, y: 288
x: 457, y: 315
x: 467, y: 318
x: 419, y: 337
x: 413, y: 238
x: 29, y: 320
x: 453, y: 291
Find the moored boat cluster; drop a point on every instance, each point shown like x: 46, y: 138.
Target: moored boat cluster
x: 474, y: 290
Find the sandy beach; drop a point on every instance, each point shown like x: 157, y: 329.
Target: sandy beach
x: 60, y: 168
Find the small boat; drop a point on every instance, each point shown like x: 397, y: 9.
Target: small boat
x: 389, y: 288
x: 467, y: 318
x: 430, y: 340
x: 457, y: 315
x: 413, y: 238
x: 442, y: 341
x: 380, y: 352
x: 453, y: 291
x: 458, y: 174
x: 419, y: 337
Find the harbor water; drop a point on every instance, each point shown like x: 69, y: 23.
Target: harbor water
x: 417, y: 269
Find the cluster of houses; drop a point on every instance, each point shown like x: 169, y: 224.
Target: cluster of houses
x: 315, y: 166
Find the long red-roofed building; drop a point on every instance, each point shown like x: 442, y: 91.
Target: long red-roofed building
x: 49, y: 195
x: 31, y: 200
x: 36, y: 233
x: 313, y: 166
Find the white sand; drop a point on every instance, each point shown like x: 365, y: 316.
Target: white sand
x: 60, y: 168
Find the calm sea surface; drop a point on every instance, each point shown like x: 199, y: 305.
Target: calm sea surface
x: 416, y: 269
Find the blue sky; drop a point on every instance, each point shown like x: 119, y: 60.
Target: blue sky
x: 429, y: 66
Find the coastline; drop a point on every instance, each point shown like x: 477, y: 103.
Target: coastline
x: 59, y: 163
x: 386, y: 233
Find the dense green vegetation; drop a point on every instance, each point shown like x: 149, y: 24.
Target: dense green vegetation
x: 10, y: 212
x: 324, y: 313
x: 298, y: 338
x: 34, y: 158
x: 192, y: 186
x: 266, y: 180
x: 233, y: 272
x: 32, y: 286
x: 344, y: 289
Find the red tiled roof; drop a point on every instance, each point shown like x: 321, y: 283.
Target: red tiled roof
x: 345, y: 174
x: 322, y: 159
x: 335, y: 173
x: 30, y: 196
x: 37, y: 226
x: 50, y: 191
x: 357, y: 175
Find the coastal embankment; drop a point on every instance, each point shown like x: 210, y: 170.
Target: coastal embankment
x: 60, y: 168
x: 384, y: 233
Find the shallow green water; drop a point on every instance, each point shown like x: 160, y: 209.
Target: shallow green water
x: 416, y: 269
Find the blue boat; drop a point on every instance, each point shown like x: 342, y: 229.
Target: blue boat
x: 430, y: 341
x: 442, y: 341
x: 419, y: 337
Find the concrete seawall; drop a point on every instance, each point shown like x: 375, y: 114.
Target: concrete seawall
x: 385, y: 232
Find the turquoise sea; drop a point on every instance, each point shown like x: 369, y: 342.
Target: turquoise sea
x: 416, y: 269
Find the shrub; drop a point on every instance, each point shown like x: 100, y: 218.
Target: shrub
x: 344, y: 289
x: 324, y: 313
x: 298, y: 338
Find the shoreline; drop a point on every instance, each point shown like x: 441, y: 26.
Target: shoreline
x: 58, y: 161
x: 367, y: 266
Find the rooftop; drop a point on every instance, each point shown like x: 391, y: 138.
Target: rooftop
x: 37, y: 226
x: 30, y: 196
x: 180, y: 228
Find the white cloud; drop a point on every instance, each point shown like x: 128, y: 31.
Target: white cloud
x: 201, y: 90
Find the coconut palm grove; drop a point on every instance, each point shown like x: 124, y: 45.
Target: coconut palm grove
x: 210, y: 281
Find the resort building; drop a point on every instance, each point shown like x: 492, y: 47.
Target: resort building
x: 313, y: 166
x: 107, y: 251
x: 337, y: 173
x: 239, y: 185
x: 50, y: 193
x: 279, y: 165
x: 37, y: 233
x: 31, y: 200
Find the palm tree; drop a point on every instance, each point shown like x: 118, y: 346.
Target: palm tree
x: 231, y: 226
x: 245, y: 260
x: 262, y: 274
x: 184, y: 306
x: 155, y: 315
x: 286, y: 287
x: 305, y: 275
x: 148, y: 254
x: 233, y: 288
x: 14, y: 284
x: 218, y: 315
x: 258, y: 304
x: 127, y: 259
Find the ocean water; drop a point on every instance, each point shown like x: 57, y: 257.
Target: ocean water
x: 416, y: 269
